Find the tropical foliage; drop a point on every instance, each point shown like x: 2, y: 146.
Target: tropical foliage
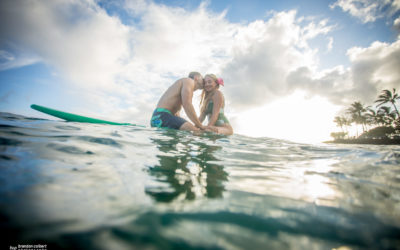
x: 369, y: 118
x: 338, y: 135
x: 388, y: 97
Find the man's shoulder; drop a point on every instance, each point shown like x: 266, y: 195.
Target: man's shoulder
x: 187, y: 81
x: 184, y: 80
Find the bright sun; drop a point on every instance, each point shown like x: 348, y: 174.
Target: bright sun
x: 295, y: 117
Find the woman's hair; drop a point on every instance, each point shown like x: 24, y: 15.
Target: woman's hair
x: 205, y: 97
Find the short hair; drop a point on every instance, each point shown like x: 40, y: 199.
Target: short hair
x: 194, y: 74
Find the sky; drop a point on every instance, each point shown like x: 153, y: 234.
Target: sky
x: 289, y: 66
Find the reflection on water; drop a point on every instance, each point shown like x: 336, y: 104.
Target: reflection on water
x: 187, y: 169
x: 86, y: 186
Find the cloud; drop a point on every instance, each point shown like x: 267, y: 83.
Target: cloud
x: 368, y: 10
x: 176, y: 41
x: 372, y: 69
x: 396, y: 25
x: 335, y: 84
x: 375, y: 67
x: 10, y: 60
x: 76, y: 37
x: 264, y: 55
x: 329, y: 46
x: 136, y: 7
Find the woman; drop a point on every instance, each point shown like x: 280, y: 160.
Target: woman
x: 212, y: 106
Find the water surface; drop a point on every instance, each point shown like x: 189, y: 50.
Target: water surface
x: 88, y: 186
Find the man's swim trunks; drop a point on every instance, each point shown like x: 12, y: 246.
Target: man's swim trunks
x: 163, y: 118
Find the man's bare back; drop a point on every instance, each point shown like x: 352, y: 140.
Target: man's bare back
x: 179, y: 95
x: 172, y: 99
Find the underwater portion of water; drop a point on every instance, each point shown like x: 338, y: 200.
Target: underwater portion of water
x: 88, y: 186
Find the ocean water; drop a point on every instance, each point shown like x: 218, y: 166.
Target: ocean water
x: 87, y: 186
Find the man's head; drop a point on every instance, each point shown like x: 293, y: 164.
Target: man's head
x: 198, y: 79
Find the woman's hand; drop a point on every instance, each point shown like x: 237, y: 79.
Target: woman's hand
x: 212, y: 129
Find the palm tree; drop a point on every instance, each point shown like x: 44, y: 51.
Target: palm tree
x: 388, y: 97
x: 347, y: 124
x: 386, y: 115
x: 344, y: 123
x: 372, y: 117
x: 380, y: 118
x: 357, y: 112
x: 339, y: 122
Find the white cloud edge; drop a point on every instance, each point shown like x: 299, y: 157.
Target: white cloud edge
x: 368, y: 10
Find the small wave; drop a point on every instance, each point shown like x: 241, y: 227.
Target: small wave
x: 64, y: 127
x: 69, y: 149
x: 103, y: 141
x: 9, y: 142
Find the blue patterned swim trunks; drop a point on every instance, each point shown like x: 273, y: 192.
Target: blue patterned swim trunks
x: 163, y: 118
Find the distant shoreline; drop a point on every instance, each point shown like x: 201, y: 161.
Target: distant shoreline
x: 383, y: 141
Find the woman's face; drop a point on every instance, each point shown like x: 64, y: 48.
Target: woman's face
x: 209, y: 84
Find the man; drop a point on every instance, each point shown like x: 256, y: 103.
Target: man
x: 179, y: 94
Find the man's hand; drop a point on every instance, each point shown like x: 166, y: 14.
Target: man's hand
x: 201, y: 127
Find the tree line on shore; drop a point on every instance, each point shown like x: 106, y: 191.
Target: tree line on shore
x: 379, y: 122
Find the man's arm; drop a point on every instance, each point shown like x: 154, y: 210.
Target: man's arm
x: 187, y: 95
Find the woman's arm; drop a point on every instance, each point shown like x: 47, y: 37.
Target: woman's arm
x: 202, y: 117
x: 218, y: 100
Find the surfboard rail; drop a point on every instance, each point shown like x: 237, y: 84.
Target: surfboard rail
x: 75, y: 118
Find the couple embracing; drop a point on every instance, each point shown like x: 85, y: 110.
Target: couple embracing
x: 180, y: 94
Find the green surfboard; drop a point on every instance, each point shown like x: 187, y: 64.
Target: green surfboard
x: 75, y: 118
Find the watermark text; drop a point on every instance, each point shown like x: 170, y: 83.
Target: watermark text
x: 28, y: 247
